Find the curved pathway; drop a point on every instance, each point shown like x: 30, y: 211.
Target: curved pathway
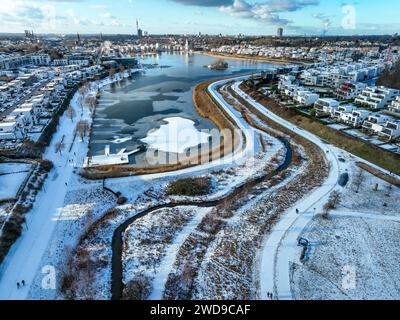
x: 280, y: 249
x: 117, y: 243
x: 23, y: 260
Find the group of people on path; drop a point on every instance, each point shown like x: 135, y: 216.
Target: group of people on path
x: 270, y: 295
x: 20, y: 285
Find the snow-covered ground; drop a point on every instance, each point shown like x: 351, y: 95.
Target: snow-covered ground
x: 157, y: 238
x: 355, y: 254
x: 24, y: 259
x: 349, y: 240
x: 12, y: 175
x: 176, y: 136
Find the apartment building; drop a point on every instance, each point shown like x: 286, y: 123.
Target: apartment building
x: 376, y: 97
x: 391, y: 131
x: 325, y: 106
x: 10, y: 131
x: 342, y: 113
x: 356, y: 118
x: 375, y: 123
x: 350, y: 90
x: 16, y: 61
x: 306, y: 98
x: 40, y: 59
x: 395, y: 106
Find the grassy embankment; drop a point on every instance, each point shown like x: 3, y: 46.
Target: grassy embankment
x: 207, y: 108
x: 235, y: 56
x: 369, y: 152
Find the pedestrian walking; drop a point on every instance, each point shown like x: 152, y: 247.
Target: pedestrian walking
x: 23, y: 283
x: 297, y: 211
x: 18, y: 285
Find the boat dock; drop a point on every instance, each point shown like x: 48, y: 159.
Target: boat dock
x: 108, y: 159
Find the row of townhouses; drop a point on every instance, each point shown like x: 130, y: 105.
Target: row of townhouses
x: 39, y: 108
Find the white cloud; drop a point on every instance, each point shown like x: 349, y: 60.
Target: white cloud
x: 267, y: 11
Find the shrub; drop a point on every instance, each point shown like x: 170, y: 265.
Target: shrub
x: 122, y: 200
x: 137, y: 289
x: 46, y: 165
x: 190, y: 187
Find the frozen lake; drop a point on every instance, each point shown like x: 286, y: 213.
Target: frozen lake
x: 129, y: 110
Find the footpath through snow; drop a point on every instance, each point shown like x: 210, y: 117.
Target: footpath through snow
x: 281, y: 249
x: 24, y: 259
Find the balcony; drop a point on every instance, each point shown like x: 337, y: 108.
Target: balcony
x: 367, y: 125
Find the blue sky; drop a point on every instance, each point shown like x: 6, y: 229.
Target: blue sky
x: 262, y: 17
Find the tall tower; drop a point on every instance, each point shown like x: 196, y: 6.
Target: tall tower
x: 139, y: 31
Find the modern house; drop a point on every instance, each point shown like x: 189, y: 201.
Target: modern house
x: 9, y: 131
x: 26, y: 116
x: 376, y: 97
x: 391, y: 131
x: 325, y: 106
x: 350, y: 90
x: 306, y: 98
x: 395, y: 106
x: 375, y: 123
x: 356, y: 118
x: 342, y: 112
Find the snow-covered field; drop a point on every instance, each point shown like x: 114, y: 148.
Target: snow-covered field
x: 356, y: 253
x: 12, y: 175
x: 157, y: 238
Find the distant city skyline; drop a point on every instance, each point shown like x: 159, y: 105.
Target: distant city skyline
x: 262, y: 17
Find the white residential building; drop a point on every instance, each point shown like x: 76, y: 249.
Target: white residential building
x: 40, y: 59
x: 356, y: 118
x: 25, y: 116
x: 375, y: 123
x: 325, y: 106
x: 391, y: 131
x: 395, y: 106
x: 9, y: 131
x: 376, y: 97
x: 342, y: 113
x: 60, y: 62
x: 350, y: 90
x: 306, y: 98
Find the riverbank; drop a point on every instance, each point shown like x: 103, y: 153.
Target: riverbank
x: 258, y: 59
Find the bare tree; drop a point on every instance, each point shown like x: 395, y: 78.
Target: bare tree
x: 82, y: 128
x: 80, y: 101
x: 358, y: 180
x: 83, y: 88
x: 71, y: 113
x: 111, y: 73
x: 121, y: 71
x: 59, y: 147
x: 91, y: 102
x: 389, y: 188
x: 335, y: 199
